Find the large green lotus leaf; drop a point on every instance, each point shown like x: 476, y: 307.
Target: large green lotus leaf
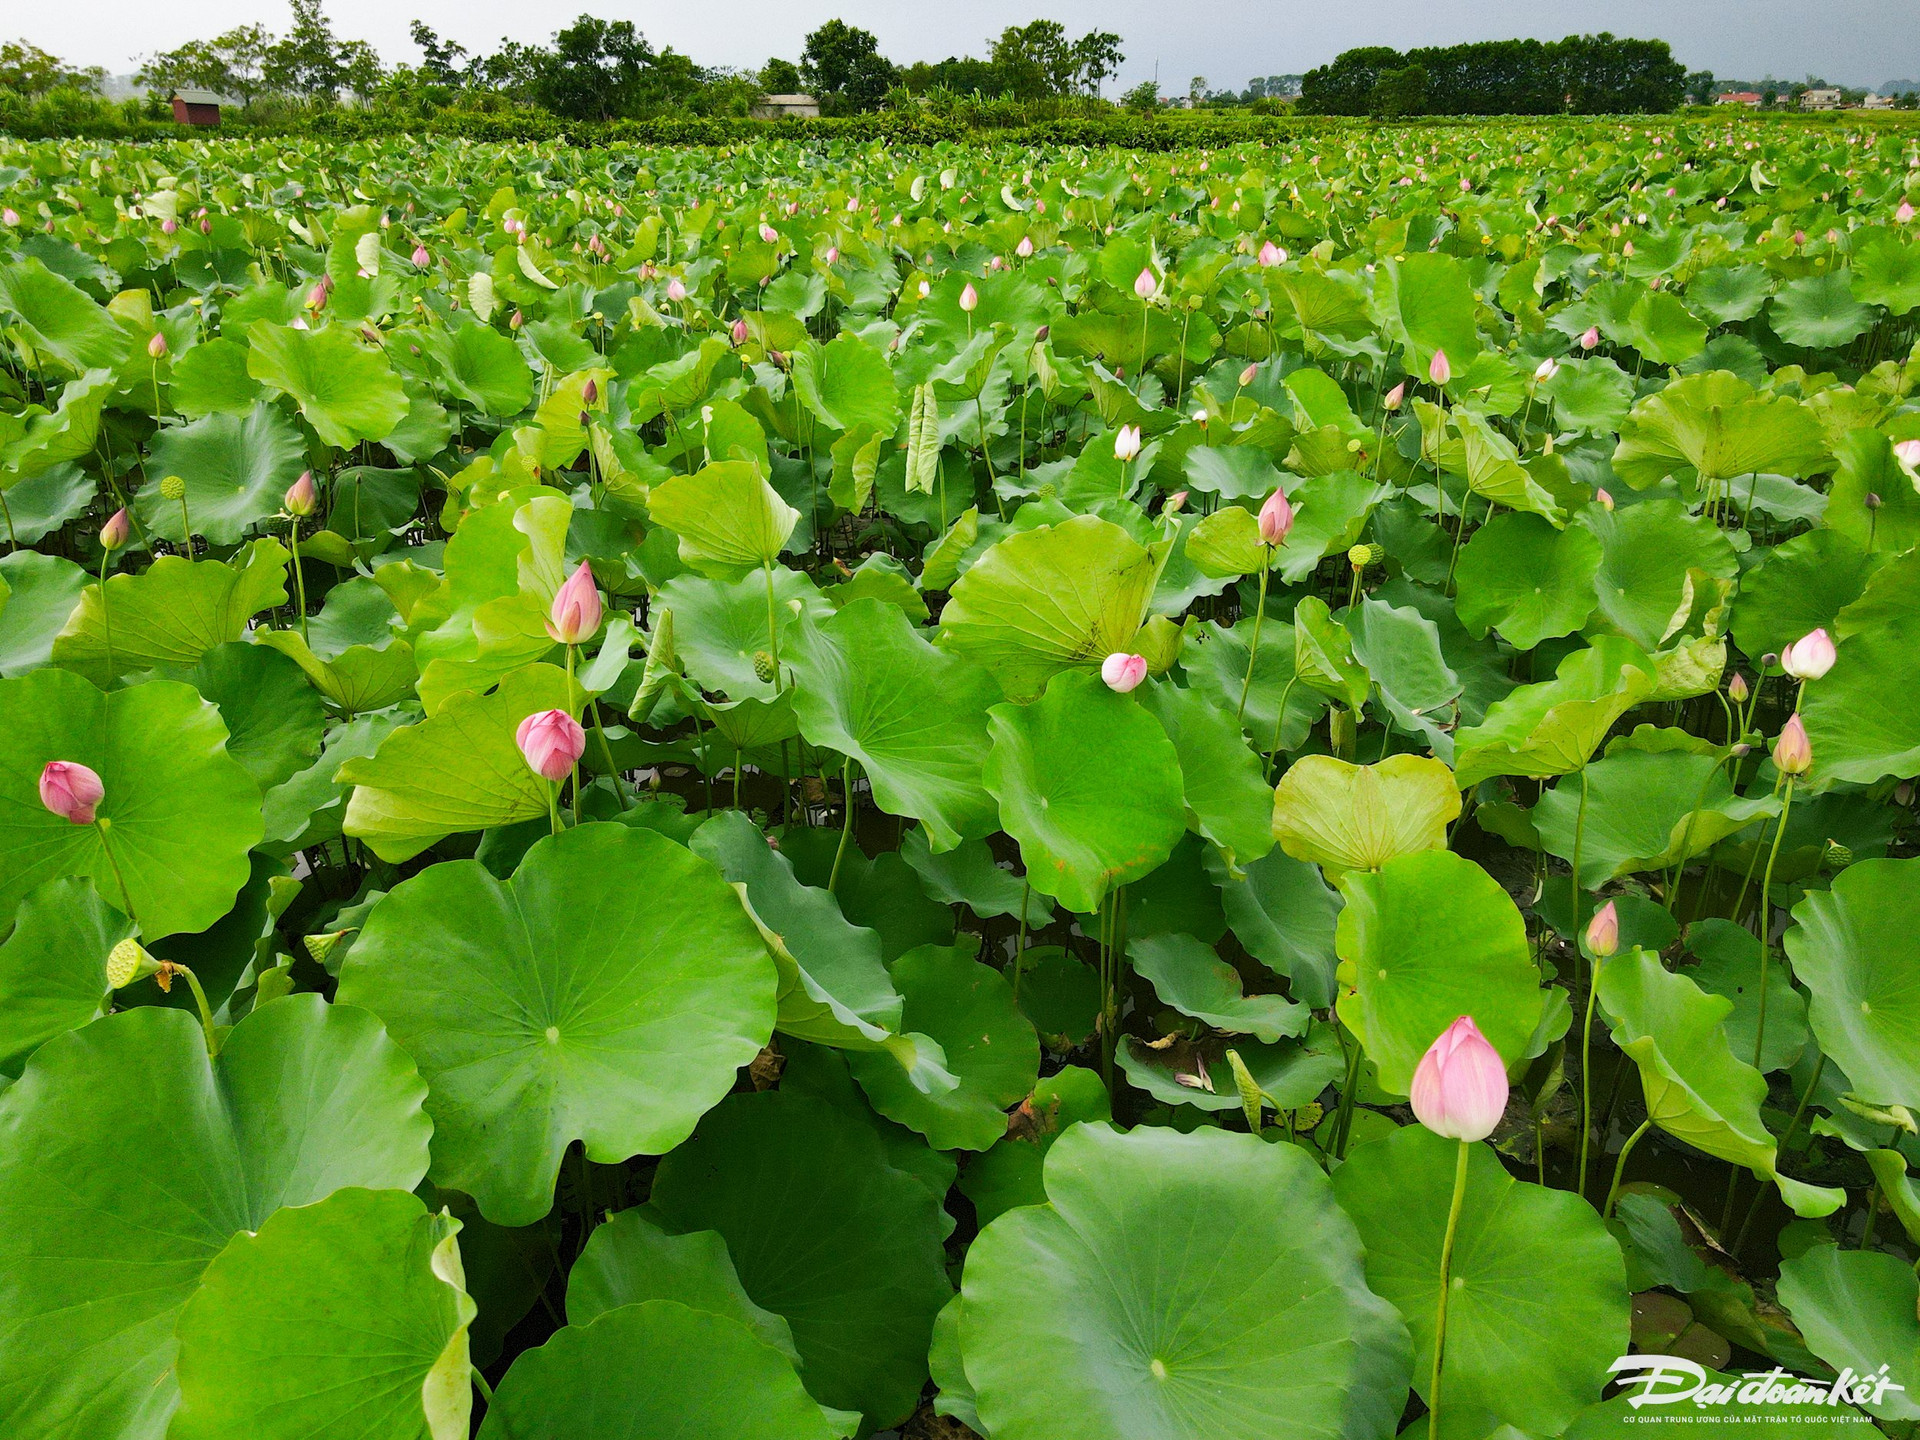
x: 308, y: 809
x: 358, y: 678
x: 455, y: 771
x: 236, y: 468
x: 1871, y: 499
x: 1323, y: 655
x: 1053, y: 598
x: 1227, y: 543
x: 1856, y: 1309
x: 967, y: 875
x: 719, y: 626
x: 1886, y: 270
x: 1426, y: 939
x: 1715, y: 423
x: 1640, y: 812
x: 347, y: 1318
x: 1233, y: 472
x: 212, y: 379
x: 1651, y: 558
x: 172, y: 613
x: 1493, y: 470
x: 1554, y: 727
x: 1729, y: 965
x: 1591, y: 395
x: 273, y: 717
x: 1011, y: 1173
x: 729, y: 519
x: 1180, y: 1287
x: 1330, y: 512
x: 1216, y: 660
x: 1860, y: 716
x: 1089, y: 785
x: 56, y: 316
x: 70, y: 432
x: 344, y: 387
x: 630, y: 1260
x: 1188, y: 975
x: 44, y: 590
x: 871, y: 686
x: 847, y: 384
x: 1729, y: 293
x: 181, y: 812
x: 53, y: 967
x: 1855, y: 949
x: 1538, y: 1308
x: 1530, y: 582
x: 1696, y: 1088
x: 607, y: 993
x: 1225, y: 785
x: 1425, y: 303
x: 1348, y: 817
x: 1819, y: 312
x: 486, y: 370
x: 990, y: 1048
x: 1664, y: 330
x: 658, y: 1370
x: 823, y: 1231
x: 1400, y: 650
x: 1284, y: 914
x: 111, y: 1216
x: 1797, y: 587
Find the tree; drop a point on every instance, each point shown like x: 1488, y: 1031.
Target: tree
x: 843, y: 67
x: 442, y: 61
x: 1096, y: 59
x: 1144, y: 96
x: 779, y: 77
x: 306, y: 61
x: 595, y: 70
x: 1400, y: 92
x: 1346, y: 86
x: 31, y: 71
x: 1699, y: 87
x: 230, y: 64
x: 1037, y: 60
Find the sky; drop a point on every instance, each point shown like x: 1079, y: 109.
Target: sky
x: 1848, y: 42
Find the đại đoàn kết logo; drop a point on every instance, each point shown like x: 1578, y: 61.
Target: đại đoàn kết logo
x: 1671, y: 1380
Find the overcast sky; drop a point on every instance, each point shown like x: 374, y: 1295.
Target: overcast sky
x: 1857, y: 42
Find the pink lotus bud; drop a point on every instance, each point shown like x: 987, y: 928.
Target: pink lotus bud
x: 1439, y: 370
x: 1907, y: 452
x: 1246, y: 375
x: 1144, y: 285
x: 1793, y: 752
x: 1590, y: 338
x: 1546, y: 370
x: 676, y: 290
x: 1271, y: 255
x: 832, y: 256
x: 516, y: 320
x: 1176, y: 502
x: 157, y: 346
x: 317, y: 296
x: 1809, y: 657
x: 969, y: 298
x: 1122, y: 671
x: 300, y: 496
x: 1460, y: 1085
x: 1025, y: 247
x: 167, y: 226
x: 1465, y: 184
x: 1738, y: 689
x: 71, y: 790
x: 853, y: 204
x: 575, y: 613
x: 1799, y: 237
x: 1603, y: 931
x: 1627, y: 249
x: 740, y: 332
x: 551, y: 741
x: 590, y: 392
x: 1391, y: 400
x: 1605, y: 500
x: 1904, y: 213
x: 1126, y: 442
x: 925, y: 289
x: 421, y: 257
x: 768, y: 233
x: 1276, y: 518
x: 114, y: 533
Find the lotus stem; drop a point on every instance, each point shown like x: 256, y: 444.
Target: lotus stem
x: 1766, y: 922
x: 1620, y: 1165
x: 846, y: 824
x: 1446, y: 1284
x: 1020, y: 945
x: 299, y: 577
x: 1793, y: 1126
x: 1253, y: 647
x: 773, y: 632
x: 106, y: 616
x: 102, y: 825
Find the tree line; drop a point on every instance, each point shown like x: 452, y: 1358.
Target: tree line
x: 1582, y: 75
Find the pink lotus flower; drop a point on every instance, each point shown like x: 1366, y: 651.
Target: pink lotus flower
x: 1904, y: 213
x: 9, y: 216
x: 157, y: 346
x: 1737, y: 689
x: 1907, y: 452
x: 1590, y: 338
x: 317, y: 296
x: 71, y: 790
x: 1126, y: 442
x: 1123, y: 672
x: 676, y: 290
x: 740, y: 332
x: 421, y: 257
x: 1546, y: 370
x: 1603, y: 931
x: 1025, y: 247
x: 300, y: 498
x: 1439, y: 369
x: 1271, y: 255
x: 833, y: 254
x: 1276, y: 518
x: 1144, y: 285
x: 1605, y: 500
x: 1391, y: 400
x: 1809, y: 657
x: 1460, y: 1085
x: 1793, y: 752
x: 1246, y: 375
x: 167, y: 226
x: 768, y: 233
x: 969, y: 298
x: 114, y: 533
x: 575, y: 613
x: 551, y: 741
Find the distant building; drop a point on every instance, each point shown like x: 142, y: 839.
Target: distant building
x: 197, y: 107
x: 1749, y: 98
x: 1877, y: 102
x: 778, y: 107
x: 1825, y: 98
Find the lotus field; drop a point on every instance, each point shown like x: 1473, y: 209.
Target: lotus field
x: 808, y: 791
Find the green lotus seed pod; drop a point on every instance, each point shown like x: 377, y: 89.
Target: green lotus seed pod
x: 127, y: 962
x: 762, y: 666
x: 173, y: 488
